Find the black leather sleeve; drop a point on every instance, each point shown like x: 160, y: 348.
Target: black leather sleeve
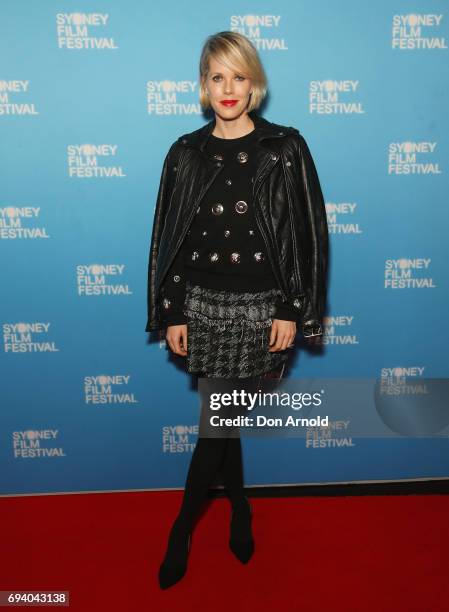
x: 314, y: 304
x: 166, y: 183
x: 174, y: 290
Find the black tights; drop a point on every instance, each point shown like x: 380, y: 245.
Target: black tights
x: 222, y: 453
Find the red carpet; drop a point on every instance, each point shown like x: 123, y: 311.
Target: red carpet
x: 312, y: 554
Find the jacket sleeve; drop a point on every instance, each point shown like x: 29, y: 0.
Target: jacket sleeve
x: 285, y: 312
x: 174, y: 291
x: 167, y: 179
x: 312, y: 309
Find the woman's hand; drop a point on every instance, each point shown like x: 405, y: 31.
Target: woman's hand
x: 282, y: 334
x: 177, y: 339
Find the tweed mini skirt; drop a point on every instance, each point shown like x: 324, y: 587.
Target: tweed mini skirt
x: 228, y: 332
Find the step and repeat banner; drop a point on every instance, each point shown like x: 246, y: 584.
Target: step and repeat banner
x: 92, y: 95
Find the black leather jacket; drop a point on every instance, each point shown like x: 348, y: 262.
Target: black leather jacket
x: 289, y: 210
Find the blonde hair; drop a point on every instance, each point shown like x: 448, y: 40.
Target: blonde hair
x: 234, y: 51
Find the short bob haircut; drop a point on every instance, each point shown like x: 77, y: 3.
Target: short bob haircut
x: 238, y: 53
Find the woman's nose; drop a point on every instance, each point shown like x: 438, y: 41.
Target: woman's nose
x: 228, y: 87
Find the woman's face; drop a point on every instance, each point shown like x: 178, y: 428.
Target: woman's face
x: 226, y: 85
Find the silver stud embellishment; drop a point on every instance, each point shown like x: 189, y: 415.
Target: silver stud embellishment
x: 288, y: 163
x: 274, y: 157
x: 227, y: 233
x: 214, y: 256
x: 242, y: 157
x: 251, y: 232
x: 166, y: 302
x: 217, y: 209
x: 184, y: 141
x: 241, y: 206
x: 296, y: 303
x: 195, y: 255
x: 235, y: 257
x: 258, y: 257
x: 175, y: 168
x: 228, y: 182
x: 176, y: 278
x: 218, y: 156
x: 204, y: 232
x: 281, y: 133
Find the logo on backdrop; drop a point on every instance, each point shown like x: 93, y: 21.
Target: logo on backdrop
x: 399, y: 373
x: 11, y: 98
x: 172, y: 98
x: 400, y: 381
x: 261, y: 30
x: 338, y: 330
x: 333, y: 97
x: 93, y: 161
x: 417, y: 32
x: 83, y: 31
x: 98, y: 279
x: 408, y: 274
x: 412, y: 158
x: 410, y: 403
x: 343, y: 224
x: 21, y: 222
x: 28, y: 338
x: 334, y: 435
x: 36, y: 443
x: 179, y: 438
x: 106, y: 389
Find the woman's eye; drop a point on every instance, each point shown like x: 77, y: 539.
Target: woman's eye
x: 218, y: 77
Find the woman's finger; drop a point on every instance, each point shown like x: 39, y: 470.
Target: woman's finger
x: 184, y: 338
x: 281, y: 336
x: 274, y: 328
x: 173, y: 338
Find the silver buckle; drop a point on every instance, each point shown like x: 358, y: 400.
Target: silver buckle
x: 316, y: 331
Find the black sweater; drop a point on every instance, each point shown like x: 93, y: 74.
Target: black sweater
x: 223, y: 248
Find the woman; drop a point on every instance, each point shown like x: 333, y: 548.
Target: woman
x: 238, y: 257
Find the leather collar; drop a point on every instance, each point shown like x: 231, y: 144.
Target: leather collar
x: 266, y: 129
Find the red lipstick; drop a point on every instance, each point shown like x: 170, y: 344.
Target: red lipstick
x: 228, y: 102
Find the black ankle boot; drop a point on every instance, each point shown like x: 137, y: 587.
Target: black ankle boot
x: 174, y: 565
x: 241, y: 541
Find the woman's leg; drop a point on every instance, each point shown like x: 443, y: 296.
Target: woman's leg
x: 206, y: 460
x: 241, y: 541
x: 232, y: 468
x: 207, y: 457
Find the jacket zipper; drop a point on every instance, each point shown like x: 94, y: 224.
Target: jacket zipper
x: 296, y: 268
x: 263, y: 233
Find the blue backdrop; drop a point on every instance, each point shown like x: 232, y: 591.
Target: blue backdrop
x: 92, y: 94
